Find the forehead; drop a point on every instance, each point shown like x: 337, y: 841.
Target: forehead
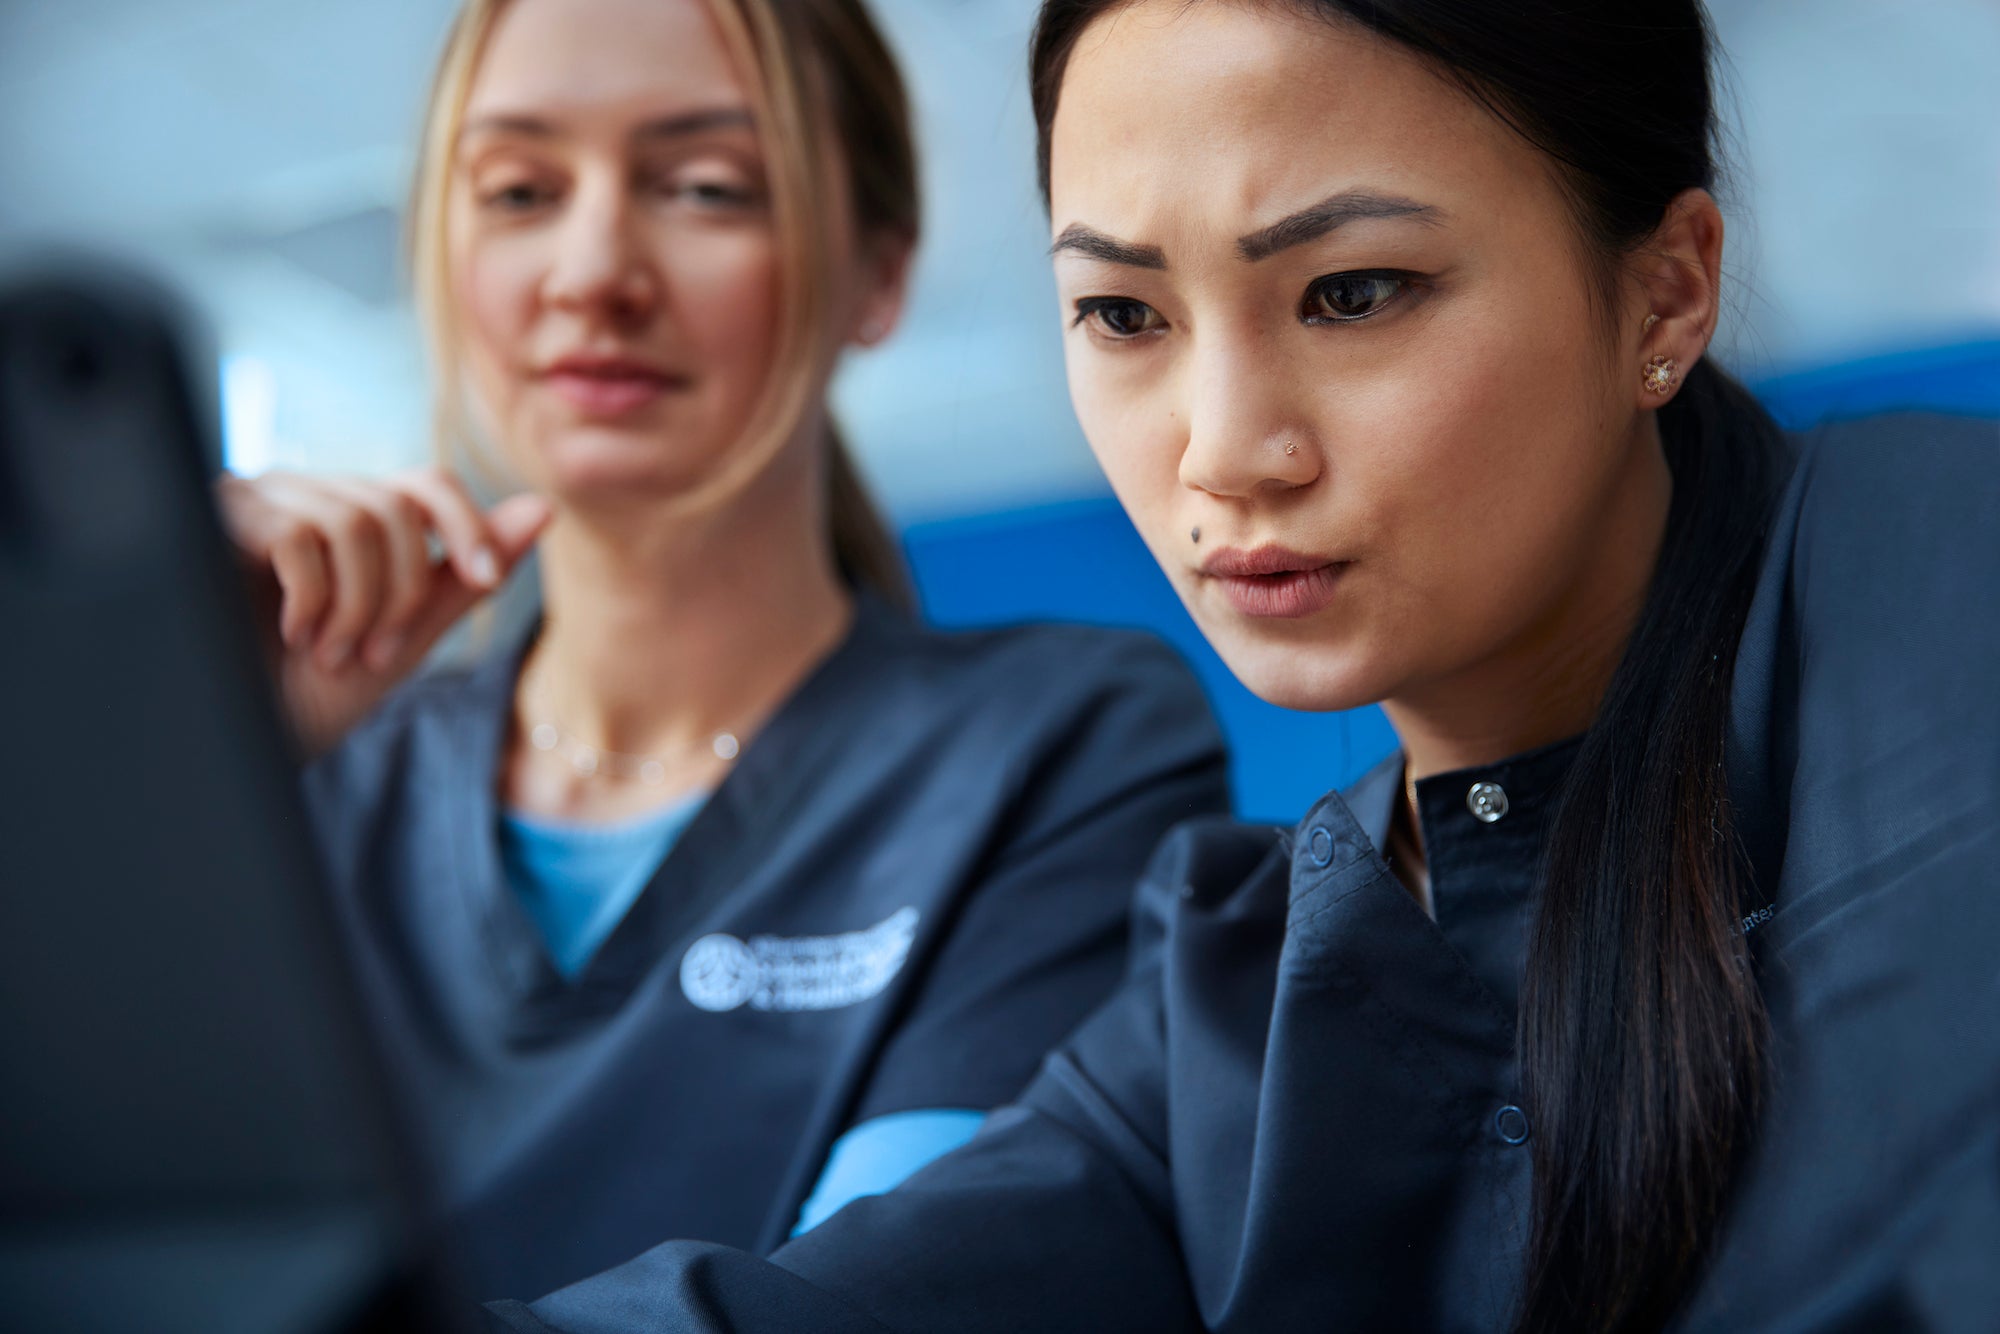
x: 583, y: 56
x: 1182, y: 118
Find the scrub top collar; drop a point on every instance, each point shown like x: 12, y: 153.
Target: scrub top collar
x: 802, y: 738
x: 1483, y: 829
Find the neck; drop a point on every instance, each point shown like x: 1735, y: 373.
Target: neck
x: 657, y: 637
x: 1547, y: 683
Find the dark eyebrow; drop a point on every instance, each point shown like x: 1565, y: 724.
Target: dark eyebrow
x: 666, y: 127
x: 1335, y: 211
x: 1088, y: 241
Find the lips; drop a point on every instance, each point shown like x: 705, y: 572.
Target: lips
x: 1274, y: 581
x: 606, y: 387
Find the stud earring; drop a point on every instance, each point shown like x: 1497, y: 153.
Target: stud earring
x: 1660, y: 375
x: 1647, y: 327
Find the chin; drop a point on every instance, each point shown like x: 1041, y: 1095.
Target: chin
x: 598, y: 465
x: 1312, y: 678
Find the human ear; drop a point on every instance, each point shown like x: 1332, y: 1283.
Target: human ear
x: 1679, y: 275
x: 884, y: 278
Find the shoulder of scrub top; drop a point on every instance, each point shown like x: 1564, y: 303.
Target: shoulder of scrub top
x: 1864, y: 705
x: 1920, y: 483
x: 1017, y: 662
x: 1038, y: 692
x: 1888, y: 516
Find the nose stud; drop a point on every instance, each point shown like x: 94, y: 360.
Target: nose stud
x: 1194, y: 535
x: 1291, y: 448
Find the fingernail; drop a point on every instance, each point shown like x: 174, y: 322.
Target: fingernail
x: 485, y: 566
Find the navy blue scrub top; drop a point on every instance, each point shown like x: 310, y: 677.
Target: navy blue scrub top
x: 1304, y: 1112
x: 916, y: 879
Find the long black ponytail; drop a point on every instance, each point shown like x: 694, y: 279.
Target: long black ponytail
x: 1642, y: 1030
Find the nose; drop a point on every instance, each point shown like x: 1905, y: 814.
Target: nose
x: 602, y: 269
x: 1246, y: 437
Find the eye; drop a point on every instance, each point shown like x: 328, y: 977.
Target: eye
x: 516, y: 197
x: 1118, y: 317
x: 715, y: 192
x: 707, y: 190
x: 712, y: 194
x: 1342, y: 298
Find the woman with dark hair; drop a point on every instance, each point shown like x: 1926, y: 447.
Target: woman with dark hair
x: 1656, y: 981
x: 730, y: 891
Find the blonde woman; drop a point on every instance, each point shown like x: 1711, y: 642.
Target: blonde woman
x: 731, y: 892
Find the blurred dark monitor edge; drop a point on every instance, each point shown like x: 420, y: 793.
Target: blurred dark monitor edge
x: 194, y: 1134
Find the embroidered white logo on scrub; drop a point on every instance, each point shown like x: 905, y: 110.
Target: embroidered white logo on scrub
x: 720, y: 972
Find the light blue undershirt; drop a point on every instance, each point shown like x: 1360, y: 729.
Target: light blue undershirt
x: 578, y: 881
x: 878, y: 1154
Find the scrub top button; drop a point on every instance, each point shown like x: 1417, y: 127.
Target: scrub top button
x: 1511, y: 1124
x: 1487, y: 802
x: 1319, y: 845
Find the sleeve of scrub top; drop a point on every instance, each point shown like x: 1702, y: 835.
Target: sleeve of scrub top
x: 1057, y: 1217
x: 1042, y: 939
